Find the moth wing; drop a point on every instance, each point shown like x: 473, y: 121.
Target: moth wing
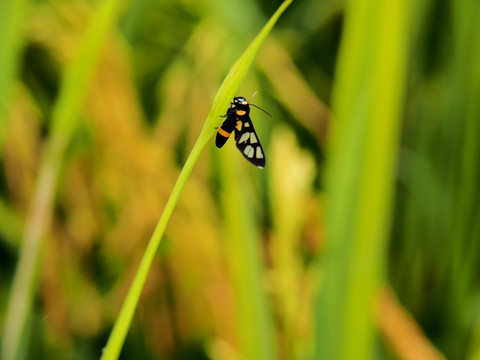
x: 247, y: 142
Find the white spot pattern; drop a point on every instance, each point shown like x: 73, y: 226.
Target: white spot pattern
x: 244, y: 137
x: 249, y: 151
x: 259, y: 153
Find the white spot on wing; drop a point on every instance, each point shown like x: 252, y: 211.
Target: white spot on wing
x: 253, y: 138
x: 244, y: 137
x: 249, y: 151
x: 259, y: 153
x: 247, y: 124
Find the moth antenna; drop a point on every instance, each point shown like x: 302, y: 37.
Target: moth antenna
x: 255, y: 93
x: 258, y: 107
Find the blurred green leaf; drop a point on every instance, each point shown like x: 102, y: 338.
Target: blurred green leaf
x: 242, y: 242
x: 12, y: 20
x: 65, y: 119
x: 367, y: 107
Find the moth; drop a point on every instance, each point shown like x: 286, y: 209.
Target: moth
x: 238, y: 119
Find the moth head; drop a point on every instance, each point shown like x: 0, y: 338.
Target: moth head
x: 240, y: 106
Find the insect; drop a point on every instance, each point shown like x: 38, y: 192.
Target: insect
x: 238, y: 119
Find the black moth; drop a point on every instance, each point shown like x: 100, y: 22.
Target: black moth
x: 238, y: 119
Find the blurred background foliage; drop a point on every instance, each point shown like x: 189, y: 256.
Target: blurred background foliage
x: 236, y: 274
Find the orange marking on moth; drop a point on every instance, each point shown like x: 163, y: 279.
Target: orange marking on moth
x: 241, y: 112
x: 223, y: 132
x: 239, y: 125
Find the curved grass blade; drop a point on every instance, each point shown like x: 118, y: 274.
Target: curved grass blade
x: 64, y: 122
x: 224, y: 95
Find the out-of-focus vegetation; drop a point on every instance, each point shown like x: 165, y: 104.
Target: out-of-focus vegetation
x: 254, y: 264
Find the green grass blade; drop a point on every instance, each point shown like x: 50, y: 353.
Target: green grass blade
x: 243, y: 250
x: 464, y: 179
x: 367, y: 99
x: 12, y: 14
x: 65, y: 120
x: 224, y: 95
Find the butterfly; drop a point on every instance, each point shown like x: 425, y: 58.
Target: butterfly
x: 246, y: 139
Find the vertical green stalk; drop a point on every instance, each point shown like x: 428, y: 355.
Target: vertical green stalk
x: 367, y: 100
x: 243, y: 244
x: 464, y: 179
x: 12, y: 19
x: 224, y: 95
x: 64, y: 122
